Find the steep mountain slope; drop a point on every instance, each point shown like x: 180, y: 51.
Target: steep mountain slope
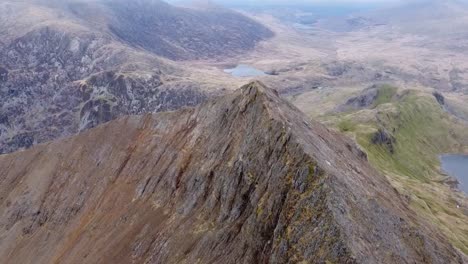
x: 403, y: 133
x: 183, y: 33
x: 66, y: 66
x: 243, y: 179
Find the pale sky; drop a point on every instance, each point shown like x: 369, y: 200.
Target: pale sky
x: 258, y: 2
x: 311, y: 1
x: 301, y: 2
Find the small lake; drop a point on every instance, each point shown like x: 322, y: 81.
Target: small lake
x: 457, y: 166
x: 305, y: 27
x: 244, y: 70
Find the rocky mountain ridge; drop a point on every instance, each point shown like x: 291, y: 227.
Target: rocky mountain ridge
x: 66, y: 66
x: 246, y: 178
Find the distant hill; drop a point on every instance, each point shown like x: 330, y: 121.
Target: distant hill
x: 67, y: 66
x: 429, y: 17
x: 423, y: 17
x: 183, y: 33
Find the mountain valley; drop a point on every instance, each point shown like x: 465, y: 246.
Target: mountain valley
x: 63, y: 72
x: 124, y: 136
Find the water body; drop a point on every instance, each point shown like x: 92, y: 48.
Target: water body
x: 243, y: 70
x: 300, y: 26
x: 457, y: 166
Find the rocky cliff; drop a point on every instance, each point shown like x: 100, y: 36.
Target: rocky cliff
x: 246, y: 178
x: 66, y: 66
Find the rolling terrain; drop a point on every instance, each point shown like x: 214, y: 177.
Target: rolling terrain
x: 408, y: 46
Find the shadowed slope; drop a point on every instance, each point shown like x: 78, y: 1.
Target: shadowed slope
x: 243, y: 179
x: 184, y: 33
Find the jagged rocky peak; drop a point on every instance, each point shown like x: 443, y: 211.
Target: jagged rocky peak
x: 245, y: 178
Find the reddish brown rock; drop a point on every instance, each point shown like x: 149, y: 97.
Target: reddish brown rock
x: 246, y: 178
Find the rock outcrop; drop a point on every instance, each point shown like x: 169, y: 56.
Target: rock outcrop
x: 246, y: 178
x: 369, y: 98
x: 439, y: 97
x: 383, y: 138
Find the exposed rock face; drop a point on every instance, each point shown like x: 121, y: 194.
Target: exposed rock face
x: 384, y: 138
x: 364, y: 100
x: 49, y: 101
x: 440, y: 98
x: 66, y: 66
x: 108, y: 95
x: 243, y: 179
x: 369, y: 98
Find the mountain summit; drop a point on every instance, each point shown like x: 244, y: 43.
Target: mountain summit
x: 246, y: 178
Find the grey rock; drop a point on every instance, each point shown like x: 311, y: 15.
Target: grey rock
x: 440, y: 98
x: 384, y: 138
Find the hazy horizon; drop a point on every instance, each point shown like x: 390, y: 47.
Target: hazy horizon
x: 299, y: 2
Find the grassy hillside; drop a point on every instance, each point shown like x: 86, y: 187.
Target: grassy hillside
x: 385, y: 95
x: 422, y: 131
x: 403, y: 135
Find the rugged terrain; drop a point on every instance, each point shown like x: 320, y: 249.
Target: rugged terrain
x: 246, y: 178
x: 66, y: 66
x: 403, y: 132
x: 411, y: 45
